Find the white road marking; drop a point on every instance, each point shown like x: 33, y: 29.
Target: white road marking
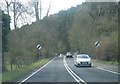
x: 73, y: 74
x: 108, y: 70
x: 35, y: 72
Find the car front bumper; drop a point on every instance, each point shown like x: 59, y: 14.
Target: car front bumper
x: 83, y: 64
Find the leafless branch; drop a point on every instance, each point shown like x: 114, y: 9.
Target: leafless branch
x: 48, y: 9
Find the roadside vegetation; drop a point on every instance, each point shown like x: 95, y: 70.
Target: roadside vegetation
x: 17, y: 73
x: 106, y: 62
x: 0, y: 47
x: 76, y: 29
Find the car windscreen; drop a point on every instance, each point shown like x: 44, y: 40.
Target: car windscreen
x: 68, y: 52
x: 82, y: 56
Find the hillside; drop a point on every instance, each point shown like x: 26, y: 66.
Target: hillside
x: 76, y: 29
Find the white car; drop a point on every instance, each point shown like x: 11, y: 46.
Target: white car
x: 82, y: 60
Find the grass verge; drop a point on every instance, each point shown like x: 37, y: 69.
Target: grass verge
x: 107, y: 62
x: 11, y: 75
x: 0, y: 78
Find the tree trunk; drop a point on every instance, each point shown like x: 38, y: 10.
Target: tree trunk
x: 36, y: 11
x: 3, y: 63
x: 40, y: 9
x: 11, y: 66
x: 14, y: 14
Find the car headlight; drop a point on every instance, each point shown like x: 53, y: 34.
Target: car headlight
x: 89, y: 62
x: 77, y: 61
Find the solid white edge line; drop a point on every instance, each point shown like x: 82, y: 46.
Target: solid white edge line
x: 73, y: 73
x: 108, y: 70
x: 35, y: 72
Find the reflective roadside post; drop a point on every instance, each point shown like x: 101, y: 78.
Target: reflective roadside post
x: 97, y: 44
x: 39, y: 46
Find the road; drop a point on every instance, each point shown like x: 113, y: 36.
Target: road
x: 62, y: 70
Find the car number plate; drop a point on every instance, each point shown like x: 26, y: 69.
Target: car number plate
x: 84, y: 62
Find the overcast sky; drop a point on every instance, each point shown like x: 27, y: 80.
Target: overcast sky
x: 56, y: 5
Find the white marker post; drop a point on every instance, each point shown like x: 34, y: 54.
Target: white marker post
x: 39, y: 46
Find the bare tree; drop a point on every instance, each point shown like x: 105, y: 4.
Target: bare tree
x: 40, y: 9
x: 33, y: 5
x: 48, y: 10
x: 14, y: 5
x: 7, y: 4
x: 18, y: 10
x: 36, y: 9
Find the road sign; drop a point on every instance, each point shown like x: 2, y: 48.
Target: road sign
x: 97, y: 43
x: 39, y: 46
